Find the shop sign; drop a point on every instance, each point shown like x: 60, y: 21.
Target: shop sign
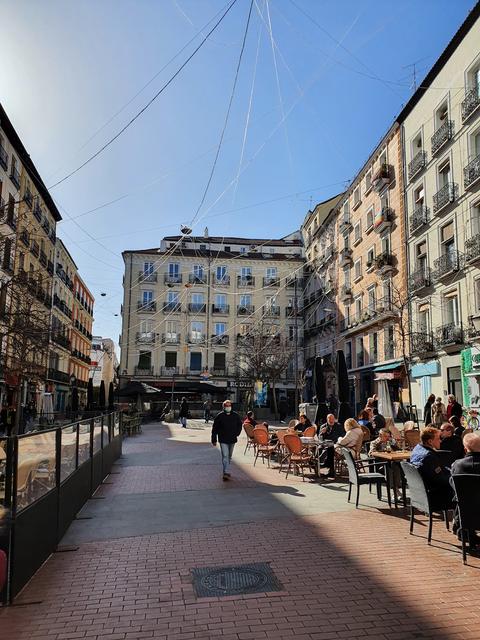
x: 239, y: 384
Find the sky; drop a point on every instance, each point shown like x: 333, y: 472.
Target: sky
x: 320, y: 82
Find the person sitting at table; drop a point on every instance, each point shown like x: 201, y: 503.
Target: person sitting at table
x: 384, y: 442
x: 250, y: 419
x: 378, y: 421
x: 434, y: 473
x: 353, y: 437
x: 364, y: 421
x: 470, y: 464
x: 331, y: 429
x: 457, y: 425
x: 303, y: 423
x: 451, y: 443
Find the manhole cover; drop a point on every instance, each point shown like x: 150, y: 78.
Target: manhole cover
x: 230, y: 581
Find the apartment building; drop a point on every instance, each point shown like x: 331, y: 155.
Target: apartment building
x: 372, y: 265
x: 103, y: 362
x: 58, y: 377
x: 441, y: 132
x: 319, y: 231
x: 81, y: 335
x: 189, y: 303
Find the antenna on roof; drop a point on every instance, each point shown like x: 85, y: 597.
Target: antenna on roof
x: 205, y: 233
x: 413, y: 66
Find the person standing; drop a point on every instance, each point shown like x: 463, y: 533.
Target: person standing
x: 183, y: 415
x: 454, y: 408
x: 226, y: 428
x: 207, y: 410
x: 427, y: 411
x: 439, y: 413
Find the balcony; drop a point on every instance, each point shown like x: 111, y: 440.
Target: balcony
x: 291, y: 312
x: 58, y: 376
x: 224, y: 281
x: 145, y: 337
x: 222, y: 339
x: 245, y: 310
x: 272, y: 311
x: 419, y: 280
x: 196, y: 338
x: 382, y: 177
x: 244, y: 339
x: 143, y: 371
x: 449, y: 337
x: 50, y: 267
x: 422, y: 344
x: 346, y: 259
x: 37, y: 212
x: 245, y: 281
x: 383, y: 220
x: 471, y: 173
x: 418, y: 162
x: 145, y: 276
x: 271, y: 282
x: 170, y: 371
x: 447, y: 194
x: 472, y: 249
x: 170, y: 278
x: 146, y: 307
x: 25, y: 238
x: 170, y: 338
x: 442, y: 135
x: 171, y: 307
x: 15, y: 177
x: 345, y: 225
x: 28, y: 198
x: 385, y: 264
x: 62, y: 305
x: 196, y: 278
x: 471, y: 102
x: 346, y: 293
x: 419, y: 218
x: 3, y: 158
x: 221, y: 310
x: 290, y: 282
x: 447, y: 265
x: 197, y: 307
x: 61, y: 340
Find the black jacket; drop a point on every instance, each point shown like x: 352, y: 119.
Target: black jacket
x: 427, y: 413
x: 454, y: 444
x: 183, y: 410
x: 469, y: 464
x: 456, y: 410
x: 226, y: 428
x: 333, y: 432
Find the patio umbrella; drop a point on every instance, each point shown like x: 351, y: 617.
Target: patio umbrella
x: 111, y: 401
x: 320, y: 391
x: 90, y: 394
x: 75, y: 400
x: 101, y: 396
x: 344, y: 408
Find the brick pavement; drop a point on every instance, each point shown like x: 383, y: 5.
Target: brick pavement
x: 346, y: 574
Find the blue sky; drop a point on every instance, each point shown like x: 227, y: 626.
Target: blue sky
x: 316, y: 110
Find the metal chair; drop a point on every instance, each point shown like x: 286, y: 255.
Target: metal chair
x: 419, y: 498
x: 467, y: 490
x: 357, y: 476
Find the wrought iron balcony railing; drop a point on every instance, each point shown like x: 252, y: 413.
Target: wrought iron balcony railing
x: 221, y: 309
x: 146, y: 306
x: 471, y: 102
x: 145, y: 337
x: 346, y: 292
x: 196, y: 338
x: 172, y: 278
x: 146, y: 276
x: 272, y: 311
x: 222, y: 339
x: 37, y: 212
x: 271, y: 282
x: 446, y: 195
x: 245, y: 310
x: 3, y: 157
x: 471, y: 172
x: 420, y: 279
x: 382, y: 177
x: 422, y: 343
x: 442, y: 135
x: 419, y: 218
x: 472, y: 248
x: 197, y: 278
x: 384, y: 262
x: 245, y: 281
x: 170, y: 371
x: 416, y: 164
x: 172, y: 307
x: 171, y: 338
x: 449, y: 335
x: 197, y: 307
x: 383, y: 219
x: 143, y: 371
x: 224, y: 280
x: 447, y: 264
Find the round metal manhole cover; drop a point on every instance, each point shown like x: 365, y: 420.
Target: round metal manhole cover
x: 234, y: 580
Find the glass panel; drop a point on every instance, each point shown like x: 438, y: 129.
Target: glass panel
x: 105, y: 435
x: 3, y: 464
x: 116, y: 424
x: 97, y: 434
x: 36, y: 467
x: 83, y: 442
x: 68, y: 451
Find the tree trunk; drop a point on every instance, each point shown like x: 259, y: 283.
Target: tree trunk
x: 16, y: 425
x: 274, y: 400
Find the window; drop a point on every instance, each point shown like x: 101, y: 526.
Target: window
x: 444, y: 174
x: 424, y: 320
x: 220, y: 328
x: 173, y: 269
x: 348, y: 277
x: 476, y: 287
x: 370, y: 217
x: 220, y: 273
x: 450, y: 309
x: 346, y: 211
x: 358, y: 308
x: 357, y: 232
x: 220, y: 300
x: 447, y: 239
x: 172, y: 297
x: 145, y: 360
x: 346, y: 241
x: 244, y: 329
x: 348, y: 315
x: 441, y: 115
x: 371, y: 292
x: 348, y: 354
x: 359, y: 351
x: 373, y: 347
x: 418, y: 196
x: 246, y: 300
x: 197, y: 329
x: 421, y: 257
x: 385, y: 240
x: 368, y: 181
x: 370, y: 257
x: 358, y: 270
x: 246, y: 272
x: 270, y: 302
x: 389, y: 343
x: 198, y: 271
x: 195, y: 361
x: 228, y: 250
x: 219, y: 361
x: 383, y: 158
x: 147, y: 297
x: 148, y: 268
x: 243, y: 250
x: 170, y: 359
x: 417, y: 144
x: 203, y: 247
x: 291, y: 331
x: 197, y: 299
x: 356, y: 197
x: 271, y: 273
x: 475, y: 145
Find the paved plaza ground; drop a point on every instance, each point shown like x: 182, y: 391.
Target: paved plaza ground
x: 124, y: 568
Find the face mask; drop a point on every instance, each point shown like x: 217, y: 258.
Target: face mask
x: 228, y: 409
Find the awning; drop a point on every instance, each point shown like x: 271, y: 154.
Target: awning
x: 391, y: 366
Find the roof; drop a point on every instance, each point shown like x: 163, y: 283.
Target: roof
x: 323, y: 209
x: 26, y: 161
x: 447, y: 53
x: 279, y: 242
x: 220, y: 255
x: 64, y: 248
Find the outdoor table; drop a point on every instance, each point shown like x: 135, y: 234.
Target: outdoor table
x: 272, y: 429
x: 318, y: 446
x: 394, y: 457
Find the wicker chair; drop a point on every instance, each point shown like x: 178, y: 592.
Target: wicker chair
x: 310, y: 431
x: 248, y: 428
x: 411, y: 438
x: 262, y: 444
x: 297, y: 455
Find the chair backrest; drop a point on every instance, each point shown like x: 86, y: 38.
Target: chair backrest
x: 416, y: 486
x: 292, y: 424
x: 260, y: 435
x: 310, y: 431
x: 412, y: 438
x: 248, y: 429
x: 409, y: 425
x: 351, y: 466
x: 281, y: 436
x: 467, y: 489
x: 293, y: 443
x: 262, y: 426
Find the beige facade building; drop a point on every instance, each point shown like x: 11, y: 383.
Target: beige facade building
x: 441, y: 131
x: 189, y: 303
x: 104, y: 363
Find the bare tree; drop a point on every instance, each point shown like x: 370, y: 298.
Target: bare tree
x: 400, y: 305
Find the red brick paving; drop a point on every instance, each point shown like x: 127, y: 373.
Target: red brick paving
x: 354, y: 574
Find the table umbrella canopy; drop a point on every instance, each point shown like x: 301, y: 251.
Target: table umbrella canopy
x: 320, y: 391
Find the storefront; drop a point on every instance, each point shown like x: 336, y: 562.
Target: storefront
x: 425, y: 377
x: 470, y: 372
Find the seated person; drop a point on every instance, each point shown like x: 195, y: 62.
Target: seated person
x: 384, y: 442
x: 435, y: 475
x: 353, y: 437
x: 457, y: 425
x: 451, y: 443
x: 378, y: 421
x: 303, y: 423
x: 250, y: 419
x: 470, y: 463
x: 331, y: 429
x: 364, y: 421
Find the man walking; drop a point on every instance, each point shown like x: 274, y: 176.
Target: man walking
x: 226, y: 427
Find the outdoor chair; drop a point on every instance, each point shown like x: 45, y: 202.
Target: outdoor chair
x: 467, y: 491
x: 298, y: 457
x: 366, y: 438
x: 282, y: 448
x: 419, y: 498
x: 248, y: 428
x: 310, y: 431
x: 262, y: 444
x: 358, y: 476
x: 411, y: 438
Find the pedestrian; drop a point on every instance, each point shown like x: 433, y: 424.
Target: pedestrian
x: 427, y: 411
x: 283, y: 409
x: 184, y: 413
x: 226, y: 428
x: 454, y: 408
x: 439, y: 413
x: 207, y: 410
